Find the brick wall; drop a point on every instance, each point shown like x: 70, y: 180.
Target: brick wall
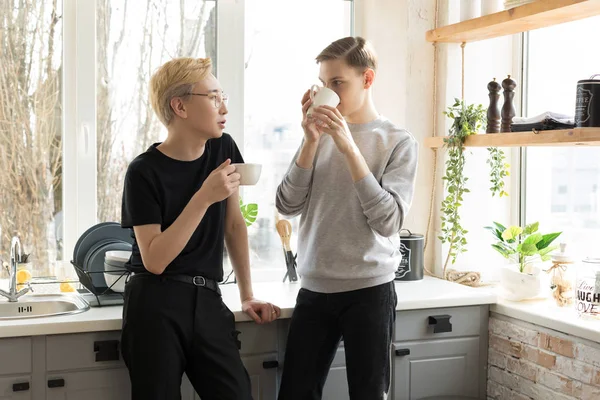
x: 526, y: 361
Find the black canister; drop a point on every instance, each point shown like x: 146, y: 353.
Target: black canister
x: 587, y: 105
x: 411, y: 264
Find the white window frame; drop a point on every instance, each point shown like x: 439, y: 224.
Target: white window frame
x: 80, y: 205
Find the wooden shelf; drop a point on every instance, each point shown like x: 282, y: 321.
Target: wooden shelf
x: 566, y: 137
x: 539, y: 14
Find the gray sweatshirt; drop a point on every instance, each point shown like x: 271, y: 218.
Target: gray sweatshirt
x: 348, y: 235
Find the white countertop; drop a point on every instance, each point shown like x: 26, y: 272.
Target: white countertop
x: 546, y: 313
x: 428, y: 293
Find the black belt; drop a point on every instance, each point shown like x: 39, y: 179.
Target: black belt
x: 197, y: 280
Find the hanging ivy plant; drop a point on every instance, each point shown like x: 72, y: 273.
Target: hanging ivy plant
x: 467, y: 120
x: 499, y: 170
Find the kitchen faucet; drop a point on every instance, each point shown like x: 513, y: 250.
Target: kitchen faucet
x: 15, y: 257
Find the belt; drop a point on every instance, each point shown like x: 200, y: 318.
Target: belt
x: 197, y: 280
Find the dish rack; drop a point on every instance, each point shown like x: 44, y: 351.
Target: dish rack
x: 100, y: 294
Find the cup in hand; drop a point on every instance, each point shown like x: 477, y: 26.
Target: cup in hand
x: 322, y: 96
x: 249, y: 173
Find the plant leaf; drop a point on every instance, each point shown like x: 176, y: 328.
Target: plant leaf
x: 249, y: 212
x: 547, y: 239
x: 531, y: 228
x: 511, y: 233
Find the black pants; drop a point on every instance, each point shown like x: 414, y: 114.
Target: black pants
x: 172, y: 327
x: 364, y: 318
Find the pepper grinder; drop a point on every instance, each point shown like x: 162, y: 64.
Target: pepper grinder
x: 508, y: 109
x: 493, y: 111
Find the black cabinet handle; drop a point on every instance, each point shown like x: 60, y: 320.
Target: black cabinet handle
x: 56, y: 383
x: 107, y: 350
x: 270, y: 364
x: 21, y: 387
x: 402, y: 352
x: 441, y: 323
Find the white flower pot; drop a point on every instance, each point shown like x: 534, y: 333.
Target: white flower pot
x: 517, y: 286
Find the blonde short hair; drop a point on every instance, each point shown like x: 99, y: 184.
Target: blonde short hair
x: 356, y: 51
x: 175, y: 78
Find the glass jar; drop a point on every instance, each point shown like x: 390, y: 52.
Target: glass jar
x: 587, y: 290
x: 562, y: 277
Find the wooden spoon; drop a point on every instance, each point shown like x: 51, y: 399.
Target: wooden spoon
x: 284, y: 228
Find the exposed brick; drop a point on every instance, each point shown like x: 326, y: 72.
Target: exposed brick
x: 544, y: 393
x: 574, y: 369
x: 495, y: 374
x: 496, y: 358
x: 494, y: 390
x: 588, y: 354
x: 524, y: 364
x: 557, y: 345
x: 518, y: 384
x: 506, y: 346
x: 559, y: 383
x: 539, y: 357
x: 514, y: 332
x: 590, y: 392
x: 546, y: 360
x: 522, y: 368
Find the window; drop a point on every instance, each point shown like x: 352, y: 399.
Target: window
x: 74, y: 105
x: 130, y: 46
x: 280, y: 50
x: 31, y: 135
x: 560, y: 185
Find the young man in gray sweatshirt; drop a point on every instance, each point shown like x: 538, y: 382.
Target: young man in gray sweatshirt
x: 352, y: 182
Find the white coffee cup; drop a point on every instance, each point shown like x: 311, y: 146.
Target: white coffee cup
x: 322, y: 96
x: 249, y: 173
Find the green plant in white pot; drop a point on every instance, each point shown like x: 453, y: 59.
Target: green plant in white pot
x: 526, y: 247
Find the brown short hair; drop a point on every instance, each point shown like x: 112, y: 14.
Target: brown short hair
x: 175, y: 78
x: 356, y: 51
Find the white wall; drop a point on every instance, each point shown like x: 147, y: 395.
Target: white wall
x: 404, y: 93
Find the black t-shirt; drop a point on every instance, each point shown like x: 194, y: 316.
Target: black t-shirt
x: 157, y: 189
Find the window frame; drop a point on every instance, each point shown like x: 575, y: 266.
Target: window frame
x: 80, y: 205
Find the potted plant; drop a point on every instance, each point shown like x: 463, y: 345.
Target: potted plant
x: 526, y: 247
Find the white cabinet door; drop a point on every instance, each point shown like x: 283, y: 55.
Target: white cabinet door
x: 101, y: 384
x: 263, y: 370
x: 336, y: 386
x: 15, y: 388
x: 436, y: 368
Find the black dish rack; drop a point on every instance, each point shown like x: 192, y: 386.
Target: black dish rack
x: 100, y: 293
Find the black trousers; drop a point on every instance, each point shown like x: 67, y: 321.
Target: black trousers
x: 171, y: 327
x: 364, y: 318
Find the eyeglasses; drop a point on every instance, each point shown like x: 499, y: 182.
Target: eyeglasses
x: 218, y: 99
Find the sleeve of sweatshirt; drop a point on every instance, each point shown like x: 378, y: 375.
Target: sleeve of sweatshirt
x: 293, y: 190
x: 386, y: 203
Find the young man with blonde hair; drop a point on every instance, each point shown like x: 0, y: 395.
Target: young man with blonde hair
x: 352, y: 182
x: 181, y: 200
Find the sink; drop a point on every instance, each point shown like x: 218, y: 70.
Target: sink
x: 42, y: 305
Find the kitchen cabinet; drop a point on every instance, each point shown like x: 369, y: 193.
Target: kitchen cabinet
x: 336, y: 385
x: 436, y: 352
x: 440, y: 352
x: 15, y: 388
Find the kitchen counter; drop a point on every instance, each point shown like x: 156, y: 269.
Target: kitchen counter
x: 428, y: 293
x: 545, y: 312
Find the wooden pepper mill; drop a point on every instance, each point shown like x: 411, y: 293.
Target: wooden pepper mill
x: 493, y: 111
x: 508, y: 109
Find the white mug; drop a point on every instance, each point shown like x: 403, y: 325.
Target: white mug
x: 322, y: 96
x: 249, y: 173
